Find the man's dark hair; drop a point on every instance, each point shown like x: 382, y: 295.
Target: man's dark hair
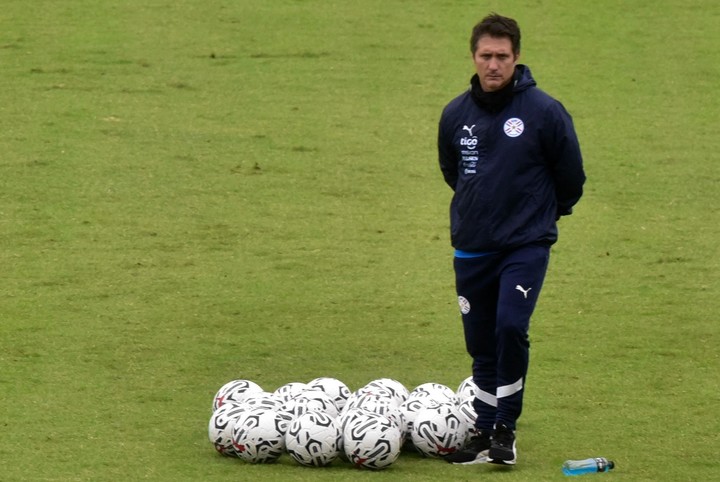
x: 496, y: 25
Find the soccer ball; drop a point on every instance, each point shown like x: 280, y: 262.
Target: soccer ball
x: 466, y: 389
x: 467, y: 410
x: 261, y: 400
x: 337, y: 390
x: 234, y: 391
x: 370, y: 440
x: 317, y: 400
x: 221, y: 426
x: 258, y: 435
x: 383, y: 406
x: 396, y: 389
x: 439, y: 431
x: 290, y: 390
x: 412, y: 406
x: 370, y: 400
x: 363, y: 395
x: 312, y: 439
x: 345, y: 417
x: 310, y: 401
x: 436, y: 391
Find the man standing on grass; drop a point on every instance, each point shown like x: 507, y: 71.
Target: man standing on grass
x: 510, y: 153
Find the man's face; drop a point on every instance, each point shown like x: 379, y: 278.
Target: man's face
x: 494, y: 61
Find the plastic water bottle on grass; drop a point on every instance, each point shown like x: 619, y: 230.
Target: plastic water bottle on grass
x: 587, y: 466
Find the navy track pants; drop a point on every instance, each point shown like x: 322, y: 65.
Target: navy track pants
x: 497, y: 294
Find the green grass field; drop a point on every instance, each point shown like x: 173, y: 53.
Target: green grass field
x: 193, y: 192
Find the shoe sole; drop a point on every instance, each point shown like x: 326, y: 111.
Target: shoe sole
x: 480, y: 459
x: 502, y: 462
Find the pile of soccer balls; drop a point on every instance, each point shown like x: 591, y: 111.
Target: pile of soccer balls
x: 321, y: 421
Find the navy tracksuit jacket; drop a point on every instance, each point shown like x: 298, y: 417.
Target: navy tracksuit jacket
x: 514, y: 171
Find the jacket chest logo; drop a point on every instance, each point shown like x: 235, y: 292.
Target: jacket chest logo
x: 470, y: 141
x: 513, y: 127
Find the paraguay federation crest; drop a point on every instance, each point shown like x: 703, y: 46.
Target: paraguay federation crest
x: 464, y: 305
x: 513, y: 127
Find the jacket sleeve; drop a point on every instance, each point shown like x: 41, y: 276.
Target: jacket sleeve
x: 563, y: 152
x: 447, y: 154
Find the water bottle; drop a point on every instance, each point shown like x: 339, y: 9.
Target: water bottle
x: 587, y: 466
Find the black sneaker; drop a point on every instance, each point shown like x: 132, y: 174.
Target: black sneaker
x: 502, y: 446
x: 475, y: 452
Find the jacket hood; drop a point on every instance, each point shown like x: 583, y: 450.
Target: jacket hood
x: 523, y: 78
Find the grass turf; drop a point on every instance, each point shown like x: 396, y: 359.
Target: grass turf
x: 195, y: 193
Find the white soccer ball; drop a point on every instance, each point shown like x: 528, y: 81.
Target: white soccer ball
x: 371, y: 400
x: 221, y: 426
x: 347, y: 416
x: 362, y: 395
x: 469, y: 415
x: 436, y: 391
x: 313, y: 439
x: 258, y: 435
x: 413, y: 405
x: 234, y: 391
x: 371, y: 441
x: 290, y: 390
x: 466, y: 389
x: 381, y: 405
x: 301, y: 404
x: 261, y: 400
x: 396, y: 389
x: 316, y: 400
x: 439, y: 431
x: 337, y: 390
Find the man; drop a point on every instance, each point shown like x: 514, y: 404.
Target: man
x: 510, y: 153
